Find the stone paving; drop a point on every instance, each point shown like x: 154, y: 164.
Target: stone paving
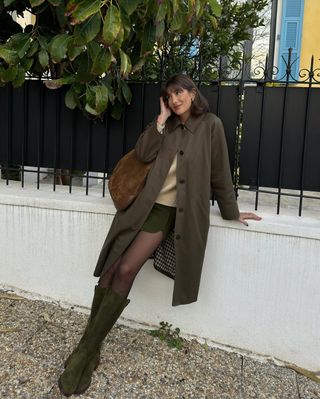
x: 37, y: 336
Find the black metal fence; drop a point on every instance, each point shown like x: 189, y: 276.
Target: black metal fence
x: 272, y: 129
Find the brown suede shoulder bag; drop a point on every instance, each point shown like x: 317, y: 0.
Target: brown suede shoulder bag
x: 127, y: 180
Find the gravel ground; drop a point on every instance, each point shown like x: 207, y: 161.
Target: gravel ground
x: 37, y: 336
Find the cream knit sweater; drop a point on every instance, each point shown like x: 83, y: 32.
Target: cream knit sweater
x: 168, y: 193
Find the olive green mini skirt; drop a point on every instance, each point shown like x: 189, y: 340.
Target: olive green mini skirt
x: 161, y: 218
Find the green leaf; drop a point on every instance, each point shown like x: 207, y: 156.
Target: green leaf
x: 27, y: 63
x: 57, y: 83
x: 43, y: 42
x: 216, y: 7
x: 139, y: 65
x: 33, y: 48
x: 126, y: 66
x: 111, y: 25
x: 107, y: 81
x: 160, y: 27
x: 213, y: 21
x: 7, y: 3
x: 69, y: 99
x: 58, y: 47
x: 117, y: 110
x: 20, y: 78
x: 84, y: 9
x: 126, y: 91
x: 78, y: 93
x: 199, y: 8
x: 9, y: 74
x: 101, y: 98
x: 101, y: 62
x: 90, y: 110
x: 85, y: 65
x: 35, y: 3
x: 87, y: 31
x: 1, y: 72
x: 74, y: 51
x: 126, y: 23
x: 90, y: 96
x: 93, y: 49
x: 119, y: 40
x: 96, y: 99
x: 9, y: 56
x: 43, y: 58
x: 148, y: 39
x: 177, y: 22
x: 191, y: 10
x: 195, y: 27
x: 175, y: 5
x: 61, y: 17
x: 71, y: 6
x: 111, y: 94
x: 20, y: 42
x: 41, y: 8
x: 129, y: 6
x: 162, y: 12
x: 55, y: 3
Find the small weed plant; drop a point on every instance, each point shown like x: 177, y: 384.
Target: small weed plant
x: 166, y: 333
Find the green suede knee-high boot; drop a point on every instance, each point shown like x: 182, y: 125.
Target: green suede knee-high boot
x: 85, y: 379
x: 109, y: 311
x: 97, y: 298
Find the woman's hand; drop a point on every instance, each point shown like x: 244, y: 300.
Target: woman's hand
x: 165, y: 112
x: 248, y: 215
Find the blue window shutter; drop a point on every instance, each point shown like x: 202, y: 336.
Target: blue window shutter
x: 290, y: 36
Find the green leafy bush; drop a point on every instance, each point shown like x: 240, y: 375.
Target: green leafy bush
x: 171, y: 337
x: 92, y: 46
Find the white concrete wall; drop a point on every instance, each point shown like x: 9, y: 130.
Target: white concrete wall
x: 259, y: 289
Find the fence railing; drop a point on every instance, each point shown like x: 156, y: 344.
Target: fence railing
x: 272, y: 130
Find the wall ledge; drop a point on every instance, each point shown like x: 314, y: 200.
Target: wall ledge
x: 287, y: 223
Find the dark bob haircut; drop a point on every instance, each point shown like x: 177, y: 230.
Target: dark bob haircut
x: 199, y: 105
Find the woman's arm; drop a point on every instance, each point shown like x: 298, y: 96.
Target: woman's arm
x: 221, y: 181
x: 149, y: 142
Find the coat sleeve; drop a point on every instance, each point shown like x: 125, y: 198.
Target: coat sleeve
x: 149, y: 143
x: 221, y: 180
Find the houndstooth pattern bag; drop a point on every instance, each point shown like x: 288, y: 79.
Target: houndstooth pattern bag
x: 164, y: 259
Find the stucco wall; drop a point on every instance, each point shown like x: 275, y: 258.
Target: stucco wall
x: 310, y: 37
x: 259, y: 289
x: 310, y: 44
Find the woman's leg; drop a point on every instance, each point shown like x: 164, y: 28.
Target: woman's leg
x: 77, y: 376
x: 105, y: 280
x: 123, y: 272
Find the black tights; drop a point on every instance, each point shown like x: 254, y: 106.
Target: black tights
x: 121, y: 274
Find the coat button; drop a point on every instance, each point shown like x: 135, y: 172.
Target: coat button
x: 181, y: 181
x: 181, y: 152
x: 178, y: 236
x: 180, y: 209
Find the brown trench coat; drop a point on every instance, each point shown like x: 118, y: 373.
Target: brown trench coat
x: 202, y: 169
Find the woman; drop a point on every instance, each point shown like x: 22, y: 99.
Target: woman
x: 190, y: 162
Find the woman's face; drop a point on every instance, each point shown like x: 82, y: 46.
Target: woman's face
x: 180, y: 101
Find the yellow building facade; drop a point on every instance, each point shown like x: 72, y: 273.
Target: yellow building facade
x: 310, y: 40
x: 298, y: 27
